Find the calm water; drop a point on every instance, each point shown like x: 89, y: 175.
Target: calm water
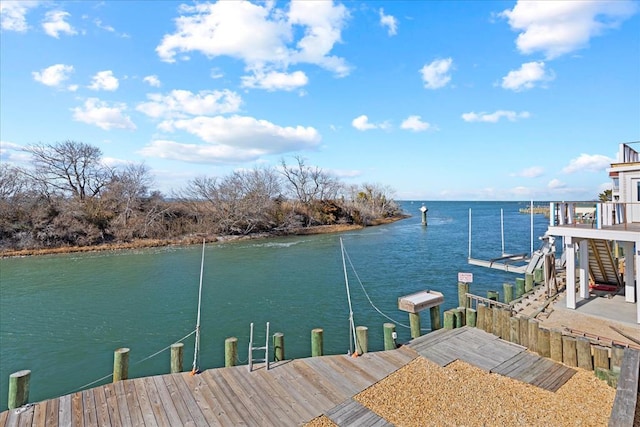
x: 63, y: 316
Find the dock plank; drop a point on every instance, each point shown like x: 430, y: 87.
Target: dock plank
x: 146, y: 408
x: 220, y: 403
x: 123, y: 406
x: 26, y: 417
x: 102, y: 408
x: 135, y: 410
x: 76, y: 409
x: 112, y: 405
x: 168, y: 403
x: 292, y: 398
x: 64, y: 410
x: 40, y: 415
x: 246, y: 416
x: 352, y: 413
x: 185, y: 392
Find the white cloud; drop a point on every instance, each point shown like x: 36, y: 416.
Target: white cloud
x: 390, y: 22
x: 216, y: 73
x: 229, y: 28
x: 556, y: 28
x: 13, y: 153
x: 588, y: 163
x: 231, y: 139
x: 436, y: 74
x: 55, y: 23
x: 54, y: 75
x: 512, y: 116
x: 532, y: 172
x: 179, y: 103
x: 362, y: 123
x: 152, y: 80
x: 527, y: 76
x: 415, y: 124
x: 102, y: 26
x: 13, y: 14
x: 104, y: 80
x: 556, y: 184
x: 275, y: 80
x: 105, y: 116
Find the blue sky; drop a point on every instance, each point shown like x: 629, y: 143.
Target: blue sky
x: 438, y: 100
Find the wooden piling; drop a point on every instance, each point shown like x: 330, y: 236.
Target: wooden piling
x: 524, y: 331
x: 555, y: 345
x: 177, y: 351
x: 463, y: 289
x: 528, y: 282
x: 519, y: 287
x: 120, y: 364
x: 458, y: 315
x: 493, y: 295
x: 617, y: 353
x: 544, y: 342
x: 505, y: 315
x: 482, y: 316
x: 533, y: 335
x: 488, y: 320
x: 316, y: 342
x: 230, y: 351
x: 600, y: 357
x: 449, y: 320
x: 583, y: 347
x: 362, y: 340
x: 508, y: 292
x: 389, y: 329
x: 434, y: 313
x: 569, y: 353
x: 19, y: 388
x: 514, y: 330
x: 278, y: 347
x: 538, y: 275
x: 471, y: 317
x: 496, y: 328
x: 414, y: 323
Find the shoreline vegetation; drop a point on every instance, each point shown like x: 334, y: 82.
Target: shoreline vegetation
x: 195, y: 239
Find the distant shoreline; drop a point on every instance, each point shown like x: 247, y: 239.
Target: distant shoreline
x: 193, y: 239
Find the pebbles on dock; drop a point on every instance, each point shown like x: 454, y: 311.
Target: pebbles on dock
x: 425, y: 394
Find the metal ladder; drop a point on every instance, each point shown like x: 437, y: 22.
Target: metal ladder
x: 252, y: 348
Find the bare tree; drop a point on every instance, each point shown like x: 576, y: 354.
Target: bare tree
x: 70, y: 168
x: 308, y: 183
x: 127, y: 190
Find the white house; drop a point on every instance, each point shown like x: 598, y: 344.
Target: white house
x: 593, y: 247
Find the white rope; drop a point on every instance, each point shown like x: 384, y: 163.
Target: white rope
x: 351, y: 323
x: 197, y: 344
x: 369, y: 299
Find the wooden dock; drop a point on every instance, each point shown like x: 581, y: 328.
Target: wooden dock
x: 291, y: 393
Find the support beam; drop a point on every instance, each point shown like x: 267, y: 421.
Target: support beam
x: 629, y: 271
x: 570, y: 251
x: 584, y: 268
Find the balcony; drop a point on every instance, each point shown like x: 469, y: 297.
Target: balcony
x: 595, y: 215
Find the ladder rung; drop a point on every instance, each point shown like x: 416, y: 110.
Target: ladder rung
x: 258, y: 348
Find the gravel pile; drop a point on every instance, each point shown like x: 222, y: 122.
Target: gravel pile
x: 425, y: 394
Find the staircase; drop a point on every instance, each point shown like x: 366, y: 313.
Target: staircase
x: 602, y: 266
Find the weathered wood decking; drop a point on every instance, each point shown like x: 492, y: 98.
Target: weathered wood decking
x: 490, y: 353
x: 290, y: 394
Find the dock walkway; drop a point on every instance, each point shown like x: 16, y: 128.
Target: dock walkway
x: 291, y: 393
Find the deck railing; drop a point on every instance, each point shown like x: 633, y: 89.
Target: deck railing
x: 596, y: 215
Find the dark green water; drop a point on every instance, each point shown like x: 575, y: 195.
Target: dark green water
x: 63, y: 316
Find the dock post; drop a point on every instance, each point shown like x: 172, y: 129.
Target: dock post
x: 514, y: 330
x: 278, y: 347
x: 496, y: 328
x: 458, y: 316
x: 519, y: 287
x: 231, y: 352
x: 436, y: 323
x: 177, y: 350
x: 316, y: 342
x: 362, y: 340
x: 19, y: 388
x: 569, y: 354
x: 481, y: 319
x: 524, y: 331
x: 493, y: 295
x: 505, y: 315
x: 538, y: 275
x: 488, y: 320
x: 555, y: 344
x: 533, y: 335
x: 528, y: 282
x: 449, y: 321
x: 617, y: 353
x: 389, y: 330
x: 544, y: 342
x: 471, y: 317
x: 463, y: 289
x: 508, y: 292
x: 414, y: 322
x: 120, y: 364
x: 583, y: 346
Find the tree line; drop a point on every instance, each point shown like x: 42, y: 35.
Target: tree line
x: 68, y: 196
